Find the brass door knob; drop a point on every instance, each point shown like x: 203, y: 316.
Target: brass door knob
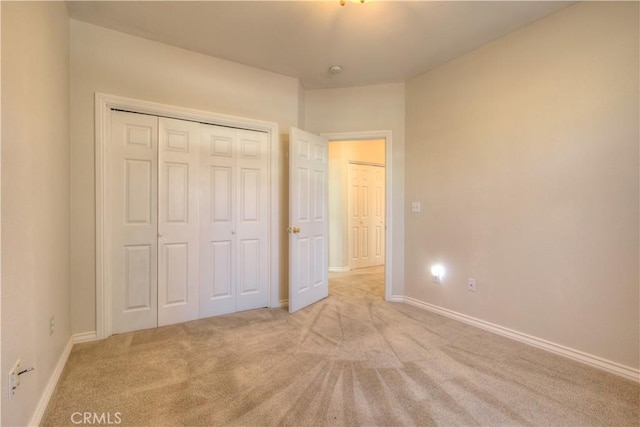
x: 294, y: 230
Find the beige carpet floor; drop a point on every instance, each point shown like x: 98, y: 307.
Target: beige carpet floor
x: 351, y: 359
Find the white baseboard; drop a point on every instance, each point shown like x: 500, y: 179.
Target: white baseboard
x: 396, y: 298
x: 339, y: 269
x: 51, y: 385
x: 577, y: 355
x: 55, y: 376
x: 84, y: 337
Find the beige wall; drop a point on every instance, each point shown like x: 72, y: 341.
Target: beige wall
x: 369, y: 108
x: 35, y: 197
x: 524, y: 154
x: 301, y: 107
x: 115, y: 63
x: 340, y: 154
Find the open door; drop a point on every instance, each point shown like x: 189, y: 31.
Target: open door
x: 308, y: 219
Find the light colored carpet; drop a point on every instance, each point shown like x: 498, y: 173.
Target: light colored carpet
x: 351, y: 359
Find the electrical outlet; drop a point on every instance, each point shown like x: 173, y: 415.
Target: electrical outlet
x: 435, y: 278
x: 14, y: 379
x: 472, y: 285
x: 52, y: 325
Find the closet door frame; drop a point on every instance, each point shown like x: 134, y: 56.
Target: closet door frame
x: 104, y: 103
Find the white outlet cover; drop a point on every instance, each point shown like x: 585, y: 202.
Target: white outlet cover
x: 472, y: 285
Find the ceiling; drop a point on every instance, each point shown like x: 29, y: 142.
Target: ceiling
x: 375, y: 42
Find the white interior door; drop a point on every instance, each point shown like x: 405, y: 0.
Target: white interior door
x: 252, y: 219
x: 132, y: 215
x: 178, y: 218
x: 308, y: 218
x: 234, y: 267
x: 217, y: 210
x: 366, y: 215
x: 359, y: 181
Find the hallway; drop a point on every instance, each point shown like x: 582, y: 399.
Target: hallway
x: 364, y: 282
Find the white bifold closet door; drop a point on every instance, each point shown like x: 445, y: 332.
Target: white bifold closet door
x: 366, y: 215
x: 133, y: 221
x: 178, y: 221
x: 188, y: 220
x: 234, y: 220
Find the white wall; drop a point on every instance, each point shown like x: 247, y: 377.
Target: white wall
x: 115, y: 63
x: 369, y: 108
x: 524, y: 154
x: 340, y: 154
x: 35, y: 197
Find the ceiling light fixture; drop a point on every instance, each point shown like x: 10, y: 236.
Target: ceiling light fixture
x: 335, y: 69
x: 343, y: 2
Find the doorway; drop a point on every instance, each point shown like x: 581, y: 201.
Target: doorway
x: 358, y: 206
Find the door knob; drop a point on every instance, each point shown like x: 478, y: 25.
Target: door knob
x: 294, y: 230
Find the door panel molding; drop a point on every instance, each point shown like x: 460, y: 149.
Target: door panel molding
x: 104, y: 103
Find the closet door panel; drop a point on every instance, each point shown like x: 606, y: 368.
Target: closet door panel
x: 179, y: 221
x: 359, y: 215
x: 366, y: 215
x: 217, y: 211
x: 252, y: 220
x: 132, y: 216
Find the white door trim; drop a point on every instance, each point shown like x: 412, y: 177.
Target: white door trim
x: 387, y: 136
x: 104, y: 103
